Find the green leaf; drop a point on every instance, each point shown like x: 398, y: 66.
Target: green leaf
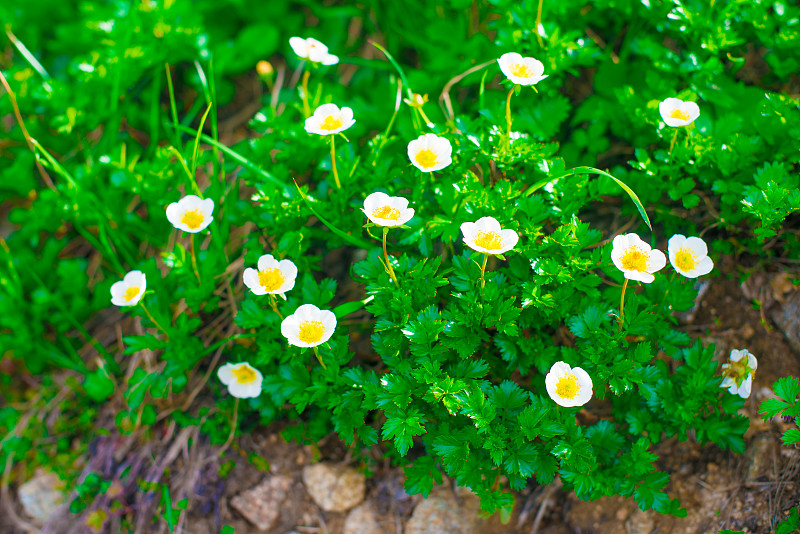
x: 421, y: 475
x: 98, y: 385
x: 790, y: 524
x: 403, y: 427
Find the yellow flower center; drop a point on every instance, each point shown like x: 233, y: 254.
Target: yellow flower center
x: 426, y: 158
x: 635, y: 259
x: 489, y: 240
x: 271, y: 279
x: 331, y: 123
x: 739, y: 370
x: 685, y: 260
x: 679, y: 114
x: 131, y: 293
x: 244, y: 374
x: 193, y: 219
x: 386, y: 212
x: 520, y: 70
x: 311, y: 331
x: 568, y: 386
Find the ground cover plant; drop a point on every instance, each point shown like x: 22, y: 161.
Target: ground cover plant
x: 459, y: 234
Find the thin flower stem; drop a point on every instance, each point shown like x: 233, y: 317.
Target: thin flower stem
x: 194, y: 259
x: 483, y: 271
x: 622, y: 305
x: 386, y: 257
x: 306, y: 107
x: 274, y: 305
x: 152, y: 319
x: 674, y: 138
x: 319, y: 358
x: 508, y: 116
x: 428, y: 122
x: 333, y: 162
x: 233, y: 426
x: 539, y: 23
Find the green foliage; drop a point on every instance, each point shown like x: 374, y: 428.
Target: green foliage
x: 452, y: 379
x: 787, y: 404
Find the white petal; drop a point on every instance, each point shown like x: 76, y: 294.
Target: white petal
x: 225, y: 374
x: 698, y: 246
x: 267, y: 262
x: 675, y: 243
x: 705, y: 266
x: 250, y: 278
x: 326, y: 110
x: 657, y: 261
x: 752, y: 363
x: 737, y: 354
x: 744, y: 389
x: 510, y: 239
x: 299, y: 46
x: 207, y: 207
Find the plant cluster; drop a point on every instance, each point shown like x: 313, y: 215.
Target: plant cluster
x: 505, y: 345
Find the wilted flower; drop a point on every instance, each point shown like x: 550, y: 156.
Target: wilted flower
x: 568, y: 386
x: 636, y: 259
x: 485, y: 235
x: 676, y: 112
x: 312, y: 50
x: 273, y: 276
x: 429, y: 152
x: 521, y: 70
x: 417, y: 100
x: 384, y: 210
x: 191, y: 213
x: 129, y: 290
x: 243, y: 380
x: 689, y: 256
x: 328, y: 119
x: 738, y: 375
x: 308, y: 326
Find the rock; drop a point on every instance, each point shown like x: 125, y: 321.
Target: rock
x: 787, y: 319
x: 333, y: 487
x: 361, y: 520
x: 40, y: 496
x: 260, y: 505
x: 441, y: 514
x: 640, y: 522
x: 759, y: 457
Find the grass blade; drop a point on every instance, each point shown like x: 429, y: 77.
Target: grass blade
x: 353, y: 240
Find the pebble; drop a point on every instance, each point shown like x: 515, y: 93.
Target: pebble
x: 759, y: 457
x: 441, y: 514
x: 361, y: 520
x: 640, y: 522
x: 40, y: 496
x: 260, y: 505
x: 335, y: 488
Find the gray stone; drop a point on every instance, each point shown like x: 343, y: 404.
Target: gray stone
x: 441, y: 513
x: 40, y: 496
x: 361, y: 520
x: 787, y: 319
x: 261, y: 504
x: 335, y: 488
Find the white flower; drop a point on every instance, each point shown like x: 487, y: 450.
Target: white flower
x: 312, y: 50
x: 308, y: 326
x: 485, y: 235
x: 689, y: 256
x: 243, y: 380
x: 636, y: 259
x: 568, y: 386
x: 521, y: 70
x: 429, y: 152
x: 676, y: 112
x: 273, y: 276
x: 738, y: 375
x: 129, y: 290
x: 191, y: 213
x: 384, y: 210
x: 328, y: 119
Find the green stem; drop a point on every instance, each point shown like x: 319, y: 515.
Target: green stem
x: 483, y: 271
x: 508, y: 116
x: 319, y: 358
x: 274, y: 305
x: 233, y: 426
x: 194, y: 259
x: 622, y: 305
x: 333, y: 162
x: 386, y: 257
x: 306, y: 107
x: 152, y: 319
x: 674, y: 138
